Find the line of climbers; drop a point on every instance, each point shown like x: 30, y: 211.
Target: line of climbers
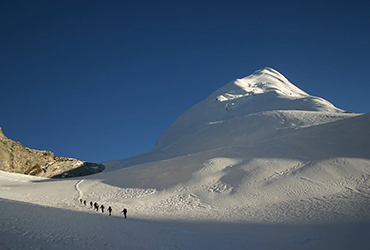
x: 96, y: 207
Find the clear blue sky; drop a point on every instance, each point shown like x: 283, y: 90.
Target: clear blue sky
x: 102, y: 80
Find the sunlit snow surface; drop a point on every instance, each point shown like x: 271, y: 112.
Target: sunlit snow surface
x: 252, y: 177
x: 264, y: 90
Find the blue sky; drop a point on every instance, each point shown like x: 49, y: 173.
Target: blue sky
x: 102, y: 80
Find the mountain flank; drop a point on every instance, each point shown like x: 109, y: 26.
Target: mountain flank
x: 16, y: 158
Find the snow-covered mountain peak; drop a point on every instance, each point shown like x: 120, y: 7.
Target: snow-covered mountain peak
x: 261, y: 81
x: 264, y: 90
x: 269, y: 71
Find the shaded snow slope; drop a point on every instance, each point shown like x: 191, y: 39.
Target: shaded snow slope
x: 264, y: 90
x: 26, y: 226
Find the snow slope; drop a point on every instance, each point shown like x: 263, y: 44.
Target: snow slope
x: 264, y: 90
x: 260, y: 176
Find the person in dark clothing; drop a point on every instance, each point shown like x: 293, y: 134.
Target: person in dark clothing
x: 91, y: 204
x: 124, y: 211
x: 96, y: 206
x: 110, y: 210
x: 102, y: 208
x: 84, y: 202
x: 81, y: 201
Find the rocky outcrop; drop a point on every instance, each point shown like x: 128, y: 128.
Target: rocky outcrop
x: 16, y: 158
x: 63, y: 167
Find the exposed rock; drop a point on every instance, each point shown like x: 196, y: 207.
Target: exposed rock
x: 67, y: 167
x: 16, y: 158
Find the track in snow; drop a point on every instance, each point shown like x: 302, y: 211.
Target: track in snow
x: 80, y: 193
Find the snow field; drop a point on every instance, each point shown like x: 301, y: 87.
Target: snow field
x: 260, y: 164
x: 228, y: 197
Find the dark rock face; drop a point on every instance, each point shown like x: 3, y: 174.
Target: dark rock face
x: 16, y: 158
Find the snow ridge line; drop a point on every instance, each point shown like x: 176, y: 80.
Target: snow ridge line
x: 80, y: 193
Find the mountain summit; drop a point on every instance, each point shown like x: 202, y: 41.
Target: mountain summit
x: 261, y: 81
x: 265, y: 90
